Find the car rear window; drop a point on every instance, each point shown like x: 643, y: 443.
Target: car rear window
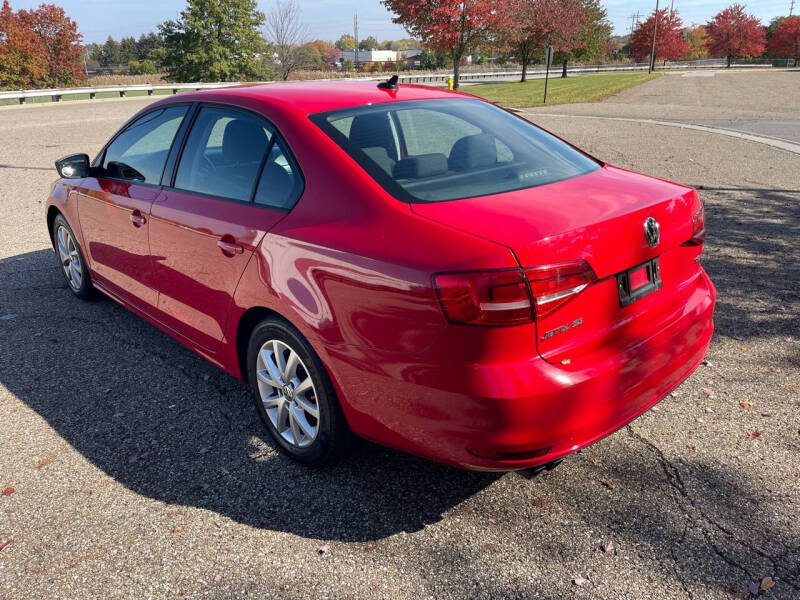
x: 438, y: 150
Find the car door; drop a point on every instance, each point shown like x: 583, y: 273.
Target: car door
x: 114, y: 207
x: 234, y: 180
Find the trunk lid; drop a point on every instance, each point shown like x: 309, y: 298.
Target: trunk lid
x: 598, y: 217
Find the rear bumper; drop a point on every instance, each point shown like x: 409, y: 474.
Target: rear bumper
x: 515, y: 415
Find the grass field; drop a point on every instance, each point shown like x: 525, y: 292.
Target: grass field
x: 584, y: 88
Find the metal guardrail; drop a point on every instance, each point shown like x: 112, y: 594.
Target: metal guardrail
x: 57, y: 94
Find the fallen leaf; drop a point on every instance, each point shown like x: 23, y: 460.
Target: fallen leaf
x: 579, y: 581
x: 4, y: 545
x: 745, y: 405
x: 608, y: 547
x: 324, y: 549
x: 752, y: 587
x: 708, y: 363
x: 47, y: 459
x: 754, y: 435
x: 596, y: 462
x: 218, y: 578
x: 608, y: 484
x: 767, y: 584
x: 8, y: 491
x: 708, y: 392
x: 767, y: 415
x: 744, y: 348
x: 690, y: 447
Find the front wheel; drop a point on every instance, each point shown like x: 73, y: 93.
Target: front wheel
x: 293, y: 394
x: 71, y: 259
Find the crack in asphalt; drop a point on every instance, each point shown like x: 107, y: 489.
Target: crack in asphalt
x: 696, y: 515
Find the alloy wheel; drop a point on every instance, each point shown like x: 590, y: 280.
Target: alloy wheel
x: 288, y: 394
x: 69, y: 257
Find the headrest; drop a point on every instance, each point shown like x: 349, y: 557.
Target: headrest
x: 423, y: 165
x: 472, y: 152
x: 243, y: 141
x: 370, y: 130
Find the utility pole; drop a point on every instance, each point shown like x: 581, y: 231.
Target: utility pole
x: 672, y: 8
x: 791, y: 8
x: 652, y: 66
x: 355, y: 37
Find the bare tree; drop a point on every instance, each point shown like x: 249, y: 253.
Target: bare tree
x: 286, y: 33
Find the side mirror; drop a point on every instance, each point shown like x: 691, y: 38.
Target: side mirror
x: 74, y: 166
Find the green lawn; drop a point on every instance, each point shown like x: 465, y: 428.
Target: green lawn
x: 582, y: 88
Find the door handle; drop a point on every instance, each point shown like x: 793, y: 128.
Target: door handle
x: 137, y: 219
x: 230, y: 247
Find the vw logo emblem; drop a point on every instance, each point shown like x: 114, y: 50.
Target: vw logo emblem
x: 288, y: 391
x: 652, y: 232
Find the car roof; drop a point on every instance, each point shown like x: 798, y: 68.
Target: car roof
x: 307, y: 97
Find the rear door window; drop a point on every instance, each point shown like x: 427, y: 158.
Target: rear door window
x: 224, y: 153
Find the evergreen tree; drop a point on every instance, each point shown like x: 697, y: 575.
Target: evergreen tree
x: 214, y: 40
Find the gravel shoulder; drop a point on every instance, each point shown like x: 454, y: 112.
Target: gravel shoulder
x: 139, y: 470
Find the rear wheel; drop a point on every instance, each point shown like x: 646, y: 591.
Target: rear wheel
x: 293, y: 394
x: 73, y: 264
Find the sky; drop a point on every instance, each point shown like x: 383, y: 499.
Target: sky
x: 328, y: 19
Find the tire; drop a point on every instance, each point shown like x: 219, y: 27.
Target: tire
x: 72, y: 261
x: 296, y: 403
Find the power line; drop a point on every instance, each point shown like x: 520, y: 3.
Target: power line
x: 634, y: 21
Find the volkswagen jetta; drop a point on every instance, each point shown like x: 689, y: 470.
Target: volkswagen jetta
x: 412, y: 265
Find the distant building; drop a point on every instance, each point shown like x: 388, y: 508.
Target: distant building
x: 368, y: 56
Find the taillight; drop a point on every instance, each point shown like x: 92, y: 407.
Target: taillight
x: 555, y: 285
x: 699, y: 226
x: 494, y: 298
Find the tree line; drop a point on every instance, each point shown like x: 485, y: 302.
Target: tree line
x: 731, y: 33
x: 576, y: 27
x: 227, y: 40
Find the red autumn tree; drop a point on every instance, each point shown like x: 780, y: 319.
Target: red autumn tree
x: 733, y: 33
x: 670, y: 45
x: 785, y: 41
x: 59, y: 41
x: 535, y: 24
x: 455, y: 26
x: 38, y: 48
x: 21, y: 62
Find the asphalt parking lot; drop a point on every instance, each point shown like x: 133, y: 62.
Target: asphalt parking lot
x: 131, y: 468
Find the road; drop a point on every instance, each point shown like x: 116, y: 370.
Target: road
x: 139, y: 470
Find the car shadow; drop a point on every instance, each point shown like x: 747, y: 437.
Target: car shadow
x: 752, y: 256
x: 169, y: 425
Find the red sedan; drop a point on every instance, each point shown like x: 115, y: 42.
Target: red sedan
x: 412, y: 265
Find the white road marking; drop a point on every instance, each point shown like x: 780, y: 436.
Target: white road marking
x: 759, y: 139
